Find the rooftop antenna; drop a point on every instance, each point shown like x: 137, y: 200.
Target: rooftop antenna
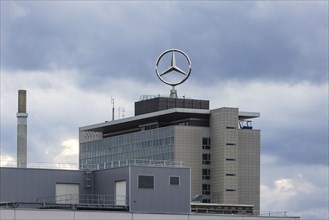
x: 123, y: 112
x: 112, y: 101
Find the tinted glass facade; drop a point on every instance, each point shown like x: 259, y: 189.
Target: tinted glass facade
x: 155, y: 144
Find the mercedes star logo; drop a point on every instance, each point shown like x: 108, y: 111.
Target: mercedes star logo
x: 173, y: 75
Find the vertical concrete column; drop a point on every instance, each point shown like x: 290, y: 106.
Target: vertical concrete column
x: 21, y: 130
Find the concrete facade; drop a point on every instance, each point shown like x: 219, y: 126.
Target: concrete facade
x: 187, y: 148
x: 22, y: 130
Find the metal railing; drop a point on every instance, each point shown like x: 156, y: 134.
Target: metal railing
x: 147, y: 97
x: 87, y: 200
x: 99, y: 166
x: 133, y: 162
x: 222, y: 211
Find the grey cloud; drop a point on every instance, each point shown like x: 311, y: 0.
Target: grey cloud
x: 304, y: 188
x: 297, y: 146
x: 225, y: 41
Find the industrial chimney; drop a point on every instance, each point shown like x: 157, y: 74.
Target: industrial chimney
x: 21, y: 130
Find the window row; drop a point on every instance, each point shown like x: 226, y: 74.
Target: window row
x: 147, y: 182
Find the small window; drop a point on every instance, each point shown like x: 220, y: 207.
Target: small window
x: 230, y: 174
x: 206, y: 143
x: 206, y: 200
x: 206, y: 147
x: 174, y: 180
x: 146, y: 182
x: 206, y: 174
x: 230, y: 190
x: 230, y: 127
x: 230, y: 144
x: 205, y: 189
x: 206, y: 159
x: 230, y: 159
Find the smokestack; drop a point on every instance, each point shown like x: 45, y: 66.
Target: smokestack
x: 21, y: 130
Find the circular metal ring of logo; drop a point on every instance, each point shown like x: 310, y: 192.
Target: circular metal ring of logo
x: 173, y: 69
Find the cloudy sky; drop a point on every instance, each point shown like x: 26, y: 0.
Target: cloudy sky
x: 269, y: 57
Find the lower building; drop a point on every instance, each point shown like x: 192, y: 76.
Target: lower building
x: 129, y: 188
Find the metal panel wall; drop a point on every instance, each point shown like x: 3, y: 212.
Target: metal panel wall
x: 104, y: 181
x: 163, y: 198
x: 27, y: 185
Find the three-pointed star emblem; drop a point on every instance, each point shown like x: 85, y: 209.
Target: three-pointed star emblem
x: 173, y: 68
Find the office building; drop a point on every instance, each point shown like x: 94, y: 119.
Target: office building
x: 219, y: 145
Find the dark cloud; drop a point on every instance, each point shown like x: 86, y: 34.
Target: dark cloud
x: 264, y: 41
x: 301, y: 146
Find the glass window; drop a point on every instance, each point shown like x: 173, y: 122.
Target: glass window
x: 146, y: 182
x: 174, y: 180
x: 230, y: 159
x: 206, y: 143
x: 206, y: 159
x: 230, y: 190
x: 205, y: 189
x: 206, y: 174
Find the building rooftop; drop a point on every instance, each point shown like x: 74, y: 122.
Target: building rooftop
x: 173, y: 115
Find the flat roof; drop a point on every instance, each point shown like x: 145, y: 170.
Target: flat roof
x: 168, y: 114
x: 173, y: 114
x: 248, y: 115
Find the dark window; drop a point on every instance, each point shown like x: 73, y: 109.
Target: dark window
x: 206, y: 147
x: 230, y: 159
x: 230, y: 174
x: 205, y: 189
x: 230, y: 127
x: 146, y: 182
x: 206, y: 159
x: 206, y: 174
x: 174, y: 180
x: 206, y: 143
x: 206, y: 200
x: 230, y: 144
x: 230, y: 190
